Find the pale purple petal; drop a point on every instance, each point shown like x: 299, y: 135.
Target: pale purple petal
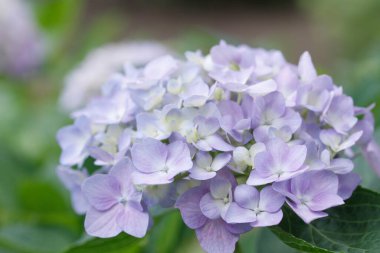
x: 123, y: 172
x: 72, y: 179
x: 208, y: 126
x: 79, y: 202
x: 133, y: 221
x: 295, y: 157
x: 256, y: 179
x: 214, y: 237
x: 102, y: 157
x: 156, y: 178
x: 102, y: 191
x: 340, y: 114
x: 238, y: 214
x: 270, y: 200
x: 178, y: 159
x: 306, y: 68
x: 262, y: 88
x: 247, y: 196
x: 202, y: 145
x: 265, y: 164
x: 217, y: 143
x: 188, y: 204
x: 341, y: 166
x: 149, y: 155
x: 220, y: 161
x: 210, y: 207
x: 290, y: 119
x: 103, y: 224
x: 305, y: 213
x: 266, y: 219
x: 320, y: 181
x: 285, y: 188
x: 160, y: 67
x: 323, y: 201
x: 201, y: 174
x: 203, y: 159
x: 347, y: 184
x: 220, y: 187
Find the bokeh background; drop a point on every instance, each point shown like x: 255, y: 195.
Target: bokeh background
x: 41, y: 41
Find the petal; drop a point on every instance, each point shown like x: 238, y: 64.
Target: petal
x: 123, y: 171
x: 247, y: 196
x: 203, y: 159
x: 237, y: 214
x: 322, y: 181
x: 266, y: 219
x: 149, y: 155
x: 270, y: 200
x: 210, y: 207
x: 306, y: 68
x: 347, y: 184
x: 324, y: 200
x: 160, y: 67
x: 220, y: 187
x: 208, y: 126
x: 72, y: 179
x: 256, y: 179
x: 201, y: 174
x: 220, y: 161
x: 265, y: 165
x: 79, y: 202
x: 102, y: 191
x: 188, y: 204
x: 101, y: 155
x: 290, y: 119
x: 341, y: 166
x: 350, y: 141
x: 133, y: 221
x: 202, y: 145
x: 305, y: 213
x: 103, y: 224
x: 179, y: 159
x: 262, y: 88
x: 214, y: 237
x: 295, y: 157
x: 155, y: 178
x: 217, y: 143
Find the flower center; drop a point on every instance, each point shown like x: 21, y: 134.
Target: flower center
x: 123, y: 201
x: 234, y: 67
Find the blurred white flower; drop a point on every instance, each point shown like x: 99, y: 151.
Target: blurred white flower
x: 85, y: 81
x: 21, y: 45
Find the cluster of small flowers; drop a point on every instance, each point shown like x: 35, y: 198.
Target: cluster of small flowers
x: 227, y: 138
x: 21, y: 46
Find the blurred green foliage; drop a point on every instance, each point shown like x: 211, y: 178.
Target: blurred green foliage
x: 35, y: 211
x: 352, y: 25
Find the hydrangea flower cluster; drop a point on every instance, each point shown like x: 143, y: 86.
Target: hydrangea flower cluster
x: 228, y: 138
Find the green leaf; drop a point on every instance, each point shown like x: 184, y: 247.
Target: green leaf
x: 122, y: 243
x: 23, y: 238
x: 262, y: 240
x: 164, y: 236
x: 353, y: 227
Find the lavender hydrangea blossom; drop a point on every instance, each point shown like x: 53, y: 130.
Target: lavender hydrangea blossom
x: 228, y: 138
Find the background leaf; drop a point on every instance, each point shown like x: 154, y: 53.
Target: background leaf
x: 353, y: 227
x: 122, y: 243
